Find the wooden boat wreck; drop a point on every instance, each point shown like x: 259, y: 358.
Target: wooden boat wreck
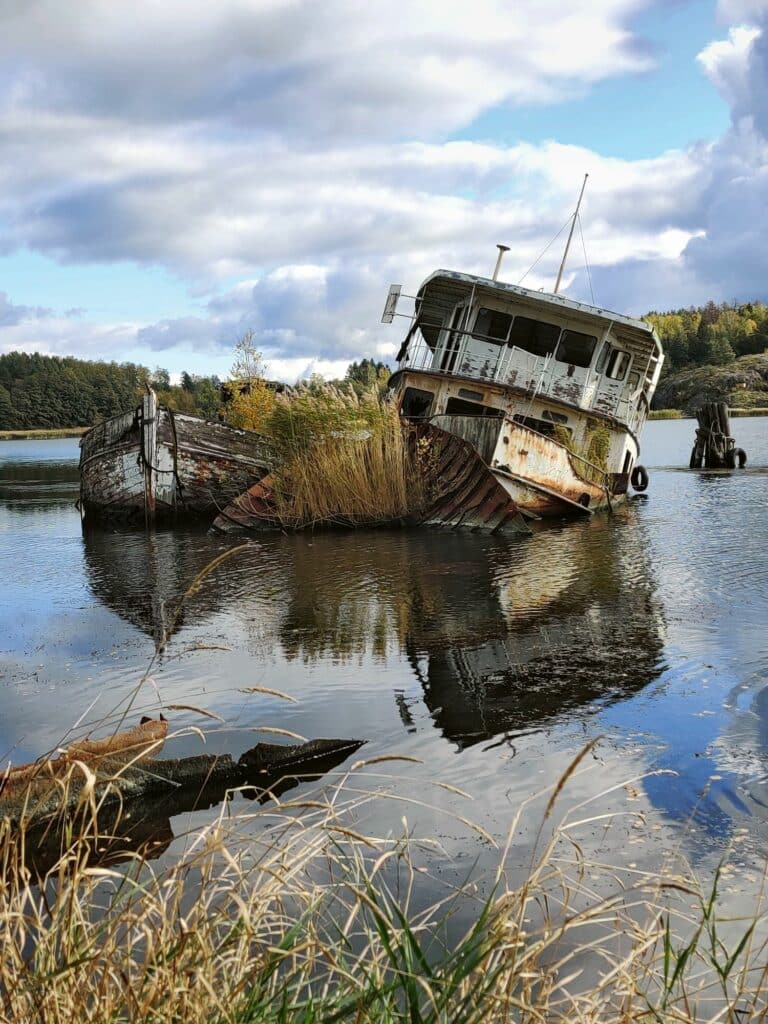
x: 552, y: 394
x: 123, y: 767
x: 153, y: 463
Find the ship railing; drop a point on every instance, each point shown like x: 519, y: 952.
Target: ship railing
x: 537, y: 375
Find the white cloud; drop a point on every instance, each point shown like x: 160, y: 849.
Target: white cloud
x: 301, y: 148
x: 727, y: 65
x: 410, y: 68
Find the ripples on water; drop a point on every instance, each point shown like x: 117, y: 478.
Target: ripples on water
x: 491, y: 660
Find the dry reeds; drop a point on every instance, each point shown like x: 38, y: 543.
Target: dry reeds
x: 346, y: 460
x: 297, y: 914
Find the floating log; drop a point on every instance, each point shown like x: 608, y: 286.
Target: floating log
x: 119, y: 771
x: 714, y: 446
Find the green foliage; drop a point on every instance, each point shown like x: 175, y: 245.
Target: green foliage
x: 714, y: 335
x: 368, y: 374
x: 50, y: 392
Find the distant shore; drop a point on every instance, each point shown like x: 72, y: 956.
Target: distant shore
x: 678, y: 414
x: 30, y: 435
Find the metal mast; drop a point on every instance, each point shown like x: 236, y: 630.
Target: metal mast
x: 570, y: 236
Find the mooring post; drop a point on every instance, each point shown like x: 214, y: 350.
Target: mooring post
x: 714, y: 446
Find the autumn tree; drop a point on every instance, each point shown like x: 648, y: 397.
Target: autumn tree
x: 252, y: 400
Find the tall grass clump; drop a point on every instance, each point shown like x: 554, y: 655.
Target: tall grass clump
x: 297, y: 913
x: 344, y: 458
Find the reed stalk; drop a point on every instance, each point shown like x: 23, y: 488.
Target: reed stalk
x: 346, y: 460
x: 295, y: 913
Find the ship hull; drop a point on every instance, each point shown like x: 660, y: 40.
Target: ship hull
x: 153, y: 464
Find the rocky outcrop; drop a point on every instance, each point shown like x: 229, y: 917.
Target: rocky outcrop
x: 741, y: 384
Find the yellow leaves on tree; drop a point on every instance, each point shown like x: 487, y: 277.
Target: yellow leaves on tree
x: 252, y: 401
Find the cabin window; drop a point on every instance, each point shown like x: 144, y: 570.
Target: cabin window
x: 473, y: 396
x: 461, y: 407
x: 491, y: 325
x: 452, y: 340
x: 602, y: 359
x: 540, y: 426
x: 554, y: 417
x: 416, y: 403
x: 618, y: 364
x: 575, y: 348
x: 534, y: 336
x: 430, y: 327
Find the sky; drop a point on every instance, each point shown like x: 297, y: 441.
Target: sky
x: 174, y: 174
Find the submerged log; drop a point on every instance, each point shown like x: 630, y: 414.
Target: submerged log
x: 714, y: 446
x: 55, y: 788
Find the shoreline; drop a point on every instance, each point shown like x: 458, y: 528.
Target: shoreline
x: 40, y: 434
x: 678, y: 414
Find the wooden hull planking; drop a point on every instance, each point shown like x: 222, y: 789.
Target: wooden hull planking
x: 153, y: 464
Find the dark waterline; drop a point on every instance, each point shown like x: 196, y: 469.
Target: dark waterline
x: 491, y: 661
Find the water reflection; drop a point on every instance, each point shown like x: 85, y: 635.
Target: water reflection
x: 424, y: 642
x: 143, y: 576
x: 502, y: 636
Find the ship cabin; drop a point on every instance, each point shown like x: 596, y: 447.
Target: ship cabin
x: 477, y: 347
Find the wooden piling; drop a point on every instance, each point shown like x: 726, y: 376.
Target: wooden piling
x: 714, y: 446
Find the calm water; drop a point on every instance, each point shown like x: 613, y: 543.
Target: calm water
x: 490, y: 661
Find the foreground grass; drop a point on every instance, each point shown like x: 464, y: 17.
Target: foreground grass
x: 294, y: 914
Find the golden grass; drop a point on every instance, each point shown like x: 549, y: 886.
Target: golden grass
x: 347, y: 460
x: 296, y: 913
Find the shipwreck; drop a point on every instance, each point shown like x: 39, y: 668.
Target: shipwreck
x: 154, y: 464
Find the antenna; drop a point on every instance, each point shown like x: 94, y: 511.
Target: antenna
x: 570, y: 236
x: 502, y: 249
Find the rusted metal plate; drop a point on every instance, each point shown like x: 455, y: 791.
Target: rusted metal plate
x: 542, y: 476
x: 254, y: 509
x: 460, y: 489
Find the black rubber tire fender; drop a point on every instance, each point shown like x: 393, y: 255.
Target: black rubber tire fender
x: 735, y: 457
x: 639, y: 478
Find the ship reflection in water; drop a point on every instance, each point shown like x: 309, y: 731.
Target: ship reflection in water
x: 502, y: 636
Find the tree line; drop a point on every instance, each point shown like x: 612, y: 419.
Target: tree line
x: 38, y: 391
x: 46, y: 392
x: 711, y: 335
x: 49, y: 392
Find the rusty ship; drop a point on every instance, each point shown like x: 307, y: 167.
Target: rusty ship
x: 552, y: 394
